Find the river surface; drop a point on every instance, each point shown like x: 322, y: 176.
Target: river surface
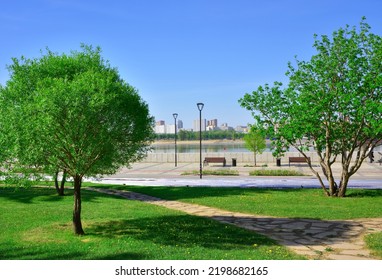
x: 219, y: 147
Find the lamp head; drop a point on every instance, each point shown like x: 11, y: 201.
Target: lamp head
x: 200, y: 106
x: 175, y: 115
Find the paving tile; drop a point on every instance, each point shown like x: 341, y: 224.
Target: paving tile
x: 311, y: 238
x: 346, y: 246
x: 364, y: 253
x: 296, y: 225
x: 346, y: 257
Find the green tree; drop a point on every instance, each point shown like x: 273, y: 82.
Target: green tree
x: 74, y: 113
x: 255, y: 141
x: 333, y: 104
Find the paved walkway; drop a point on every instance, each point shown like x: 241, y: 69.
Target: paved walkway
x: 165, y: 174
x: 315, y: 239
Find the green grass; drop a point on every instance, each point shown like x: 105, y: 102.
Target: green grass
x: 296, y: 203
x: 36, y: 224
x: 292, y: 203
x: 219, y: 172
x: 275, y: 172
x: 374, y: 242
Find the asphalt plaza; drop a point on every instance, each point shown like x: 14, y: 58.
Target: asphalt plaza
x: 167, y: 174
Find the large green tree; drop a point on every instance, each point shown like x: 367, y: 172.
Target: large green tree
x: 75, y: 113
x: 333, y: 104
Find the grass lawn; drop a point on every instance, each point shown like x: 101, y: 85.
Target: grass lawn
x: 374, y: 242
x: 36, y: 224
x: 292, y: 203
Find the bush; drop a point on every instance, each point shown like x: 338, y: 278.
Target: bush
x: 278, y: 172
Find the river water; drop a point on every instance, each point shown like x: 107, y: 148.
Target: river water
x: 218, y: 147
x: 207, y: 147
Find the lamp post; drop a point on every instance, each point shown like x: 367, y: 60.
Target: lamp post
x: 200, y: 107
x: 175, y: 115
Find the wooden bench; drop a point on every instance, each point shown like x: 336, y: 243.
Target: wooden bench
x: 298, y: 160
x: 207, y: 160
x: 380, y: 160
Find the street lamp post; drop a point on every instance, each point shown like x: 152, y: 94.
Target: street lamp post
x: 200, y: 107
x: 175, y: 115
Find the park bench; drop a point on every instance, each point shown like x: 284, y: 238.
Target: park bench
x: 298, y: 160
x: 380, y: 160
x: 208, y: 160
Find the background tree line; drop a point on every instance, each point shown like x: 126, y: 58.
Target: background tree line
x: 184, y: 135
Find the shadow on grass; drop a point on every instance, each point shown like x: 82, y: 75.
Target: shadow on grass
x: 364, y: 193
x: 30, y: 195
x: 181, y: 231
x: 34, y: 252
x: 177, y: 193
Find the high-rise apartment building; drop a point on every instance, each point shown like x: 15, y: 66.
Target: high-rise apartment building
x: 196, y: 126
x: 212, y: 124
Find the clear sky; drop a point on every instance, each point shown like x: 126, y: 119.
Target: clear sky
x: 180, y: 52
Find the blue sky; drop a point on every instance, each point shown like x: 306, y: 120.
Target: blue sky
x: 180, y: 52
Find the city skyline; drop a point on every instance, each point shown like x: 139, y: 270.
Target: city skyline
x: 179, y: 53
x: 162, y: 126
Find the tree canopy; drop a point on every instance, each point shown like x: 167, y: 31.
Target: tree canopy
x: 255, y: 141
x: 332, y: 103
x: 74, y: 113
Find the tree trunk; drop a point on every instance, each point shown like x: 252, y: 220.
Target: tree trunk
x: 63, y: 181
x: 343, y: 184
x: 60, y: 188
x: 77, y: 206
x: 255, y: 159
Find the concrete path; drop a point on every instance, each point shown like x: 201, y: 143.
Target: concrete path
x: 242, y: 182
x: 315, y: 239
x: 165, y: 174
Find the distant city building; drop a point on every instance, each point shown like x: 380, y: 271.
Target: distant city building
x: 180, y: 124
x: 212, y: 124
x: 225, y: 126
x: 162, y: 128
x: 196, y: 126
x: 243, y: 129
x: 170, y: 129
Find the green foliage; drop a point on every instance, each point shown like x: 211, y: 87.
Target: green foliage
x: 219, y: 172
x: 333, y: 103
x: 73, y: 112
x: 255, y: 141
x: 276, y: 172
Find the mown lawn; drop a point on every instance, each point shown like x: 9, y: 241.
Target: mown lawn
x: 292, y: 203
x: 374, y: 242
x: 36, y: 224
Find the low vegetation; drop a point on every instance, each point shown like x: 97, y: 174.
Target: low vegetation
x: 275, y: 172
x: 219, y: 172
